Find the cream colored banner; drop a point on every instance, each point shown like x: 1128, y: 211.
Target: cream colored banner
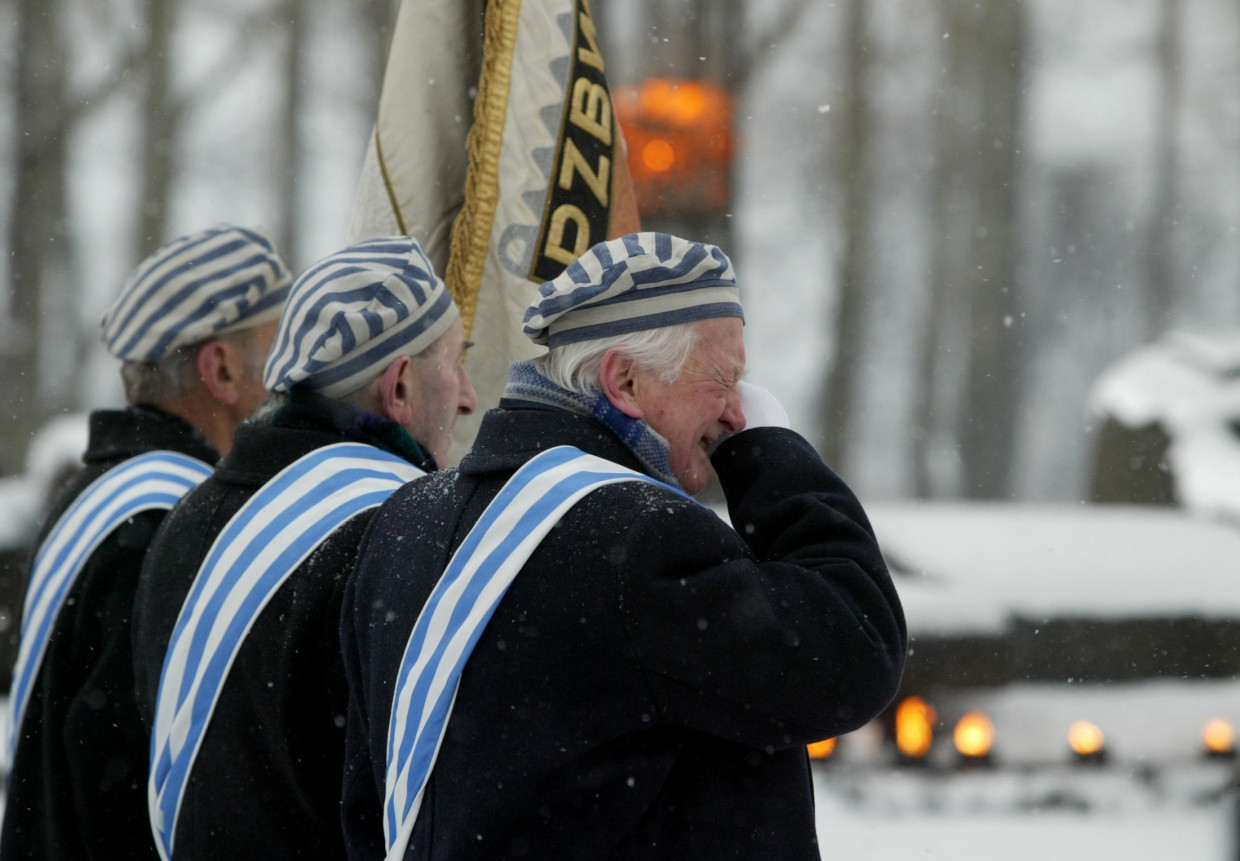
x: 538, y: 178
x: 413, y: 176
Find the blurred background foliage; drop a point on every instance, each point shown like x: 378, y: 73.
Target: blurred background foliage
x: 948, y: 216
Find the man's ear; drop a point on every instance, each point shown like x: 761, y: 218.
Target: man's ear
x: 617, y: 376
x: 221, y: 368
x: 396, y: 391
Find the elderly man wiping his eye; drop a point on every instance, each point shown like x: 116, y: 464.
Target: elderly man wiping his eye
x: 554, y: 651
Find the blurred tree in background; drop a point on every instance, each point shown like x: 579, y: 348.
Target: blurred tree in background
x: 948, y: 217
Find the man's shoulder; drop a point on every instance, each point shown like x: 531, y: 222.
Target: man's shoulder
x: 447, y: 489
x: 117, y: 435
x: 260, y: 452
x: 116, y: 561
x: 135, y: 532
x: 435, y: 489
x: 181, y: 543
x: 431, y: 501
x: 208, y: 506
x: 639, y: 498
x: 69, y: 493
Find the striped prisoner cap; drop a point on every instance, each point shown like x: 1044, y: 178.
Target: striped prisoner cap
x: 631, y: 284
x: 196, y: 287
x: 352, y: 313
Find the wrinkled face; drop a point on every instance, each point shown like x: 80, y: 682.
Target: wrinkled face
x: 442, y: 390
x: 702, y: 405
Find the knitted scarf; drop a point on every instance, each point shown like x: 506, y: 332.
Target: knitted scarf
x: 527, y: 387
x: 305, y: 409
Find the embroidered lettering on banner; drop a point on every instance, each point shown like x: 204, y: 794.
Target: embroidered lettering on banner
x: 579, y: 197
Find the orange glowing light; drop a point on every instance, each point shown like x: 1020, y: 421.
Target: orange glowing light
x: 679, y: 141
x: 1218, y: 737
x: 915, y: 719
x: 658, y: 155
x: 679, y: 102
x: 1086, y: 739
x: 974, y: 735
x: 822, y: 749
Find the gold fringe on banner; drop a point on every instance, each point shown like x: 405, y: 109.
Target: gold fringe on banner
x: 471, y: 232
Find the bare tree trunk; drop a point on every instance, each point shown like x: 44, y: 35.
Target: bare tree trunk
x: 38, y: 241
x: 994, y: 385
x: 976, y: 250
x: 843, y: 379
x: 1160, y: 245
x: 292, y: 152
x: 160, y: 118
x: 952, y: 216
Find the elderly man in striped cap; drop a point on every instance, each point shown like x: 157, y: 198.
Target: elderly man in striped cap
x: 570, y: 657
x: 236, y: 626
x: 192, y: 327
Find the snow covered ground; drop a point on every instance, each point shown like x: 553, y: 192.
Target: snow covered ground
x: 1156, y: 797
x: 849, y: 831
x: 968, y: 569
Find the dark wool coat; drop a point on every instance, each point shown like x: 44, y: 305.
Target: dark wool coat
x: 266, y: 781
x: 647, y: 685
x: 77, y: 788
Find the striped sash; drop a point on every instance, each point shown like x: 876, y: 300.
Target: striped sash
x: 253, y: 555
x: 459, y: 607
x: 150, y: 481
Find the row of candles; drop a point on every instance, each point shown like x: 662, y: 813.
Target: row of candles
x: 974, y: 737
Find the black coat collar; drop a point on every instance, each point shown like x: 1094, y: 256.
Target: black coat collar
x: 117, y: 435
x: 508, y: 438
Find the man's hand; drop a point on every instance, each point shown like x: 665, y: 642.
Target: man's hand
x: 760, y: 407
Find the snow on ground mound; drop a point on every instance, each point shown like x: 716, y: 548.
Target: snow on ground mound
x: 1189, y: 385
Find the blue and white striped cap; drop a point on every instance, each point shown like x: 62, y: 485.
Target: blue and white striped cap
x: 631, y: 284
x: 196, y: 287
x: 354, y: 312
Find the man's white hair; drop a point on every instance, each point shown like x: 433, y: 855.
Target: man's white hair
x: 663, y: 352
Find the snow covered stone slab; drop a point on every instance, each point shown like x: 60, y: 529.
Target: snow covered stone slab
x: 1001, y: 593
x: 971, y: 568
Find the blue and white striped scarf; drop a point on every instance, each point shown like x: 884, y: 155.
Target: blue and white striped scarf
x: 489, y: 558
x: 251, y: 558
x: 527, y: 386
x: 151, y: 481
